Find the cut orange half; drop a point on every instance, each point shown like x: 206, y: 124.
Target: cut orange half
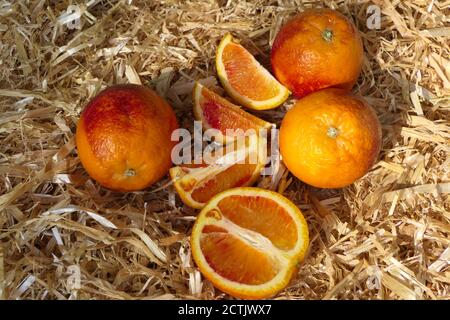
x: 218, y: 113
x: 248, y: 242
x: 245, y: 79
x: 197, y: 184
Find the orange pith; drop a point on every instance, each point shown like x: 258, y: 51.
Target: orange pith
x: 260, y: 214
x: 248, y: 241
x: 245, y: 79
x: 235, y: 260
x: 216, y: 112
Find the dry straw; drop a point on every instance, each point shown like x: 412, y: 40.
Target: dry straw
x: 63, y: 237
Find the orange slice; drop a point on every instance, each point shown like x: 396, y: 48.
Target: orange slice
x: 197, y: 184
x: 248, y: 242
x: 245, y: 79
x: 216, y: 112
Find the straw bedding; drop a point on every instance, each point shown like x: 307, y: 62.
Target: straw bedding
x: 62, y: 236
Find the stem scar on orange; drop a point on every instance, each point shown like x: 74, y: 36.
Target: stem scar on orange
x: 330, y: 138
x: 317, y: 49
x: 124, y: 137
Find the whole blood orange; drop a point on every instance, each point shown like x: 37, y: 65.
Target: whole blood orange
x: 124, y: 137
x: 317, y: 49
x: 330, y: 138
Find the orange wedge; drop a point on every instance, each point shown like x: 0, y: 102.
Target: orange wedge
x: 216, y: 112
x: 197, y: 184
x: 248, y: 242
x: 245, y: 79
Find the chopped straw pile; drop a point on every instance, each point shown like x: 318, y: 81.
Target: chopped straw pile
x: 62, y: 236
